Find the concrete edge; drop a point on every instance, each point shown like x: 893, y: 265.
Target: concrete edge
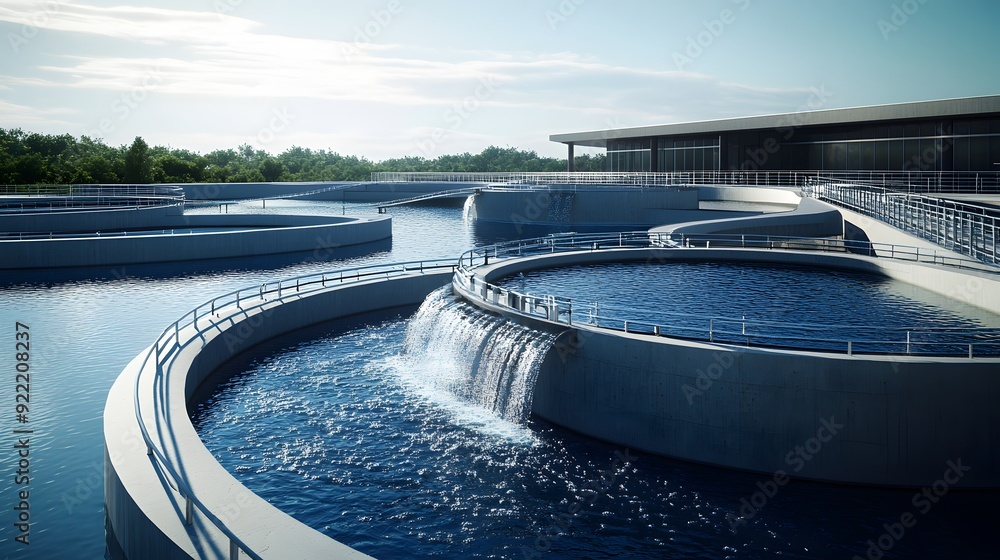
x: 810, y: 218
x: 145, y: 514
x: 314, y: 235
x: 974, y: 287
x: 905, y: 414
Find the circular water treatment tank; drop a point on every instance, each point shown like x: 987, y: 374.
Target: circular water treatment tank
x: 767, y: 305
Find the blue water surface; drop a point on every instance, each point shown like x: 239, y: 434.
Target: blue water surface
x: 768, y: 305
x: 397, y: 470
x: 339, y: 430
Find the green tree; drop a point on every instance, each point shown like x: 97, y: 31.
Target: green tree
x: 138, y: 163
x: 30, y: 169
x: 271, y: 169
x: 29, y: 157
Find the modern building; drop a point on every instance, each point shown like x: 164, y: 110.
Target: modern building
x: 953, y: 135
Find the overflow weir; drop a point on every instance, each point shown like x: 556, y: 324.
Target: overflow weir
x: 482, y: 357
x: 166, y: 495
x: 901, y: 416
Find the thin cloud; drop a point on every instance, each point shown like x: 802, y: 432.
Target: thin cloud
x: 225, y: 56
x: 28, y: 117
x: 205, y: 61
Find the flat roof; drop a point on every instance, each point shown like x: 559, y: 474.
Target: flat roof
x: 898, y: 111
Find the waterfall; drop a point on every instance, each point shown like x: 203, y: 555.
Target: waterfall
x: 478, y: 357
x: 469, y: 208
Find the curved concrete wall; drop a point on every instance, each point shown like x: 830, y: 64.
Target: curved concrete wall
x: 145, y: 514
x: 623, y: 206
x: 811, y: 218
x: 588, y: 205
x: 117, y: 219
x: 282, y: 234
x: 770, y: 195
x: 900, y: 418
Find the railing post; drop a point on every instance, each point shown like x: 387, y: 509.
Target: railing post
x: 188, y: 510
x: 850, y: 348
x: 234, y: 550
x: 907, y: 342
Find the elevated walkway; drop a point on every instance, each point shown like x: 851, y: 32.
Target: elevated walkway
x: 969, y: 229
x: 456, y: 193
x: 811, y: 218
x: 988, y: 200
x: 285, y: 196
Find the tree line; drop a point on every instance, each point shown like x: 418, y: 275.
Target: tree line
x: 28, y: 158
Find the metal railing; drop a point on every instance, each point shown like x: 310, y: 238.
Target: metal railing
x: 853, y: 339
x: 774, y: 179
x: 30, y: 236
x: 557, y: 243
x: 35, y: 199
x: 200, y: 202
x: 923, y: 181
x: 428, y: 196
x: 168, y: 345
x: 968, y: 229
x: 906, y: 181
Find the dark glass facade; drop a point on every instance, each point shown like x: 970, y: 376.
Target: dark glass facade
x: 959, y: 144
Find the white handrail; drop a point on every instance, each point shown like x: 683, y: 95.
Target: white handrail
x: 907, y: 181
x: 561, y: 309
x: 970, y: 229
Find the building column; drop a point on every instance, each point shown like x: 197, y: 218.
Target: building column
x: 654, y: 155
x: 570, y: 164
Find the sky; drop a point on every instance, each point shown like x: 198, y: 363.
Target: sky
x: 395, y: 78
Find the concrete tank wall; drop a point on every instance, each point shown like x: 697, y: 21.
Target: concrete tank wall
x: 298, y: 233
x: 588, y: 206
x: 902, y: 417
x: 625, y: 206
x: 119, y: 219
x: 146, y: 516
x: 811, y: 218
x: 770, y: 195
